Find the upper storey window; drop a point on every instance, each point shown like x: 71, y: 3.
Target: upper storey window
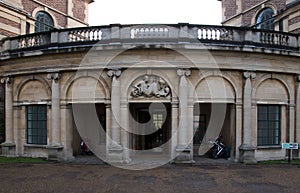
x: 43, y: 22
x: 265, y: 19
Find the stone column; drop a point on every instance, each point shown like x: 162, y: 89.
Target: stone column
x: 238, y: 126
x: 8, y: 147
x: 174, y: 134
x: 55, y: 109
x: 297, y: 116
x: 115, y: 148
x: 125, y: 132
x: 55, y: 144
x: 247, y: 149
x: 184, y: 149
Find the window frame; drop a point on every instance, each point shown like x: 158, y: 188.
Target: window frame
x: 36, y: 124
x: 264, y: 19
x: 42, y: 26
x: 271, y: 134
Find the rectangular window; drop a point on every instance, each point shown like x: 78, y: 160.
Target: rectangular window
x: 36, y: 124
x: 268, y: 125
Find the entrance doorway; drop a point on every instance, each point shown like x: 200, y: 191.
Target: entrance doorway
x: 83, y: 111
x: 215, y: 119
x: 150, y: 127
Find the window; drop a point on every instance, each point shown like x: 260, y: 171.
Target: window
x: 199, y: 128
x: 36, y: 124
x: 265, y: 19
x: 43, y: 22
x: 158, y: 120
x: 268, y: 125
x: 281, y: 25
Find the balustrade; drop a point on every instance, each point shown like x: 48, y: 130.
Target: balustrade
x: 32, y: 41
x: 146, y: 33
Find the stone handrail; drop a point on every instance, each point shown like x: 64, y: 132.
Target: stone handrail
x: 155, y: 33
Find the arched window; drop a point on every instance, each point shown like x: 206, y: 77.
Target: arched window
x: 265, y: 19
x: 43, y: 22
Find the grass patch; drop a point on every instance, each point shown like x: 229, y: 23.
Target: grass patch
x: 269, y: 162
x: 7, y: 160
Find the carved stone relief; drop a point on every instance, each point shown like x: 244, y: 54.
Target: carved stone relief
x: 150, y: 86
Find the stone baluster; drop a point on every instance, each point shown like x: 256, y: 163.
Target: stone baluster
x: 55, y: 109
x: 9, y: 134
x: 115, y: 149
x: 247, y: 149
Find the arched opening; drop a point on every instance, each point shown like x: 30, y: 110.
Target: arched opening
x: 265, y: 19
x: 44, y: 22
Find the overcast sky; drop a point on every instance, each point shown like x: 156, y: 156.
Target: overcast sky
x: 103, y: 12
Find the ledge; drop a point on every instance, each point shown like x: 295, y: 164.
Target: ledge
x: 35, y: 146
x: 269, y: 147
x: 7, y: 144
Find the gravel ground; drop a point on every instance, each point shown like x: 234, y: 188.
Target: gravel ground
x: 77, y: 178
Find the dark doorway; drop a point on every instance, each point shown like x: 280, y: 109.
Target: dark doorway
x: 84, y: 108
x: 213, y: 116
x: 150, y: 126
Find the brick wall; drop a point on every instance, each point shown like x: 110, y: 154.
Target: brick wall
x: 10, y: 22
x: 294, y: 20
x: 247, y: 4
x: 230, y: 8
x: 7, y: 33
x: 29, y: 6
x: 57, y: 4
x: 79, y: 9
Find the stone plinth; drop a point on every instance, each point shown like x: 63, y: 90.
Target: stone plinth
x: 247, y: 154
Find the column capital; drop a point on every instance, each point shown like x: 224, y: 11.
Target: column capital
x: 248, y: 74
x: 183, y: 72
x: 54, y: 76
x: 114, y: 72
x: 6, y: 80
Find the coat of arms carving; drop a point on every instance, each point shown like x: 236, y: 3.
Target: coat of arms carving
x: 151, y: 87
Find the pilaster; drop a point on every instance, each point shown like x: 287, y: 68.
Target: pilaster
x: 55, y: 146
x: 247, y: 149
x: 184, y: 147
x: 8, y: 147
x: 297, y: 112
x: 115, y: 149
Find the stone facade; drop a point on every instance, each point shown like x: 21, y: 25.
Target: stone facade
x: 102, y: 91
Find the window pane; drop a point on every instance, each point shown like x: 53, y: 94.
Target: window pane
x: 43, y: 22
x: 37, y: 124
x: 265, y: 19
x: 268, y: 125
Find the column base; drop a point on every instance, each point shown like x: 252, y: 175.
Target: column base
x: 247, y: 154
x: 55, y: 152
x: 183, y: 155
x: 115, y: 154
x: 8, y: 149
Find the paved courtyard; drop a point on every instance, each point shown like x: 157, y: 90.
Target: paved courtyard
x: 92, y: 178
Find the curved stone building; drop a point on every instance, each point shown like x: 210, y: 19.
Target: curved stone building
x: 165, y: 90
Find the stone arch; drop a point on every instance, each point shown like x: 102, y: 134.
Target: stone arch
x: 34, y: 88
x: 222, y: 84
x: 38, y: 9
x: 89, y: 84
x: 271, y: 88
x: 258, y: 11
